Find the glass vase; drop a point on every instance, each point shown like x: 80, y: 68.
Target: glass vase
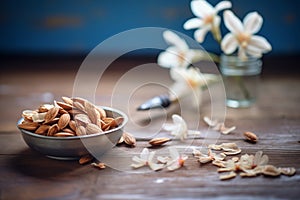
x: 241, y: 80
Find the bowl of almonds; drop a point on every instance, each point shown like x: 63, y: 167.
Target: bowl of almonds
x: 72, y: 128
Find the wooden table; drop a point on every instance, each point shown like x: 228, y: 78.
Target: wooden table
x: 25, y: 174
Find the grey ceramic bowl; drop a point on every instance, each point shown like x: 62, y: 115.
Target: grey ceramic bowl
x: 67, y: 148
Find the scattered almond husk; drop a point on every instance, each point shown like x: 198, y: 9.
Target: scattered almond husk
x: 99, y: 165
x: 85, y: 159
x: 128, y: 139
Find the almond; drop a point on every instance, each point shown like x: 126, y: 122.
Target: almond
x: 53, y: 121
x: 129, y: 139
x: 63, y: 134
x: 67, y: 100
x: 75, y: 112
x: 79, y: 106
x: 79, y: 100
x: 68, y: 130
x: 113, y: 123
x: 101, y: 112
x: 63, y: 121
x: 51, y: 114
x: 93, y: 128
x: 72, y: 125
x: 52, y: 130
x: 29, y: 126
x: 80, y: 130
x: 250, y: 136
x: 82, y: 119
x: 43, y: 129
x: 64, y: 105
x: 92, y: 112
x: 159, y: 141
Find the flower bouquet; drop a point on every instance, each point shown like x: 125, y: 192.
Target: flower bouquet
x: 239, y: 61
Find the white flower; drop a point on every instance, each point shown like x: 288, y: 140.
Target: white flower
x: 178, y: 54
x: 179, y: 128
x: 207, y: 19
x: 242, y: 35
x: 188, y: 82
x: 175, y: 161
x: 146, y: 159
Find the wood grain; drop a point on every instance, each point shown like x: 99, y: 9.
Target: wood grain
x: 25, y: 174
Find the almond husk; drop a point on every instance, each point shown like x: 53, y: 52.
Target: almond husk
x: 85, y: 159
x: 129, y: 139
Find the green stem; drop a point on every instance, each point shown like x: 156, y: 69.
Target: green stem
x: 240, y: 82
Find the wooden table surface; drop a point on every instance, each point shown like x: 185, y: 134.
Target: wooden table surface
x: 26, y: 174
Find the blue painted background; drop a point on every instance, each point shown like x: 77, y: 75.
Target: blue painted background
x: 77, y: 26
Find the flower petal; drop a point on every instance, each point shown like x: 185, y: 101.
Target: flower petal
x: 173, y: 39
x: 217, y: 21
x: 174, y: 165
x: 144, y: 154
x: 193, y: 23
x: 252, y: 22
x: 169, y: 126
x: 155, y: 166
x: 260, y: 43
x: 232, y: 22
x: 253, y: 51
x: 174, y: 153
x: 201, y: 8
x: 151, y: 156
x: 200, y: 34
x: 229, y: 43
x: 222, y: 6
x: 167, y: 59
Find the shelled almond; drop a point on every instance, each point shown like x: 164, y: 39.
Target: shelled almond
x: 71, y: 117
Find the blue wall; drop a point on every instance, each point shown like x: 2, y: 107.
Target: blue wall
x: 77, y: 26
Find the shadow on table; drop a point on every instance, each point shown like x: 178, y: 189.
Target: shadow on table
x: 31, y: 163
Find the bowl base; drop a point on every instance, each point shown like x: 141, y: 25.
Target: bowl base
x: 63, y: 158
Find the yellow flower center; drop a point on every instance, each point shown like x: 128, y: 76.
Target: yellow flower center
x: 181, y: 58
x: 208, y: 19
x: 243, y: 39
x: 181, y: 162
x: 192, y: 82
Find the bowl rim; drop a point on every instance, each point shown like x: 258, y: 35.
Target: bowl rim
x: 82, y: 136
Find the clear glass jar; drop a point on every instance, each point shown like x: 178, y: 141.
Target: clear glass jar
x: 241, y: 80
